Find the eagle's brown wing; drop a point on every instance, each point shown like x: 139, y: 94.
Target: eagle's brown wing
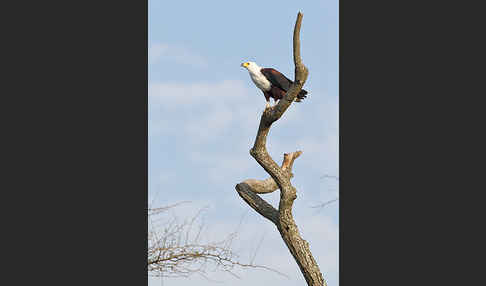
x: 277, y: 78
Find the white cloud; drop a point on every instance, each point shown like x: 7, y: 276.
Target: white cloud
x: 204, y: 111
x: 175, y: 53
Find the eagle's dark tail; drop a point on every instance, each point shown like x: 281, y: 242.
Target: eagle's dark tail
x: 301, y: 96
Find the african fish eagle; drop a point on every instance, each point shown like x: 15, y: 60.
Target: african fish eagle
x: 272, y: 82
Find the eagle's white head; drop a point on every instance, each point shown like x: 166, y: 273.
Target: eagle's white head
x: 256, y: 76
x: 252, y: 67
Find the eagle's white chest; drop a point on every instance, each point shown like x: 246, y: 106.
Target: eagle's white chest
x: 260, y: 80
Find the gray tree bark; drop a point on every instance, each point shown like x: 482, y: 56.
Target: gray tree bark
x: 280, y: 176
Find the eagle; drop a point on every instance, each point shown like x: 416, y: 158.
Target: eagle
x: 272, y: 82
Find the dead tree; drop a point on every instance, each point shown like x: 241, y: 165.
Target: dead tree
x: 280, y: 176
x: 175, y: 248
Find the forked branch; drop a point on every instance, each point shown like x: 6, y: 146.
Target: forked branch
x: 249, y: 189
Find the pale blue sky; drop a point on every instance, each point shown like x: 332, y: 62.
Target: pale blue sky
x: 204, y: 113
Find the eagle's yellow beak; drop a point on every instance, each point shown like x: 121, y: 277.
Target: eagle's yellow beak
x: 244, y: 65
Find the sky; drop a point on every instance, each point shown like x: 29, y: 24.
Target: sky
x: 204, y: 113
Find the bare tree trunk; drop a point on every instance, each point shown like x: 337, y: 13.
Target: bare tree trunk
x: 280, y: 176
